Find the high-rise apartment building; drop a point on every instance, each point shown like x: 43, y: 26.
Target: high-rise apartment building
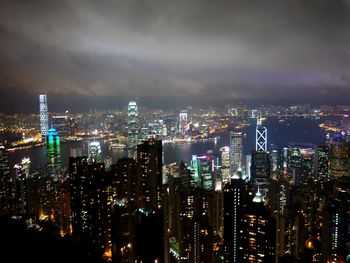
x: 88, y: 201
x: 149, y: 173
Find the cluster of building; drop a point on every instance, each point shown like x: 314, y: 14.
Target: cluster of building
x: 272, y: 205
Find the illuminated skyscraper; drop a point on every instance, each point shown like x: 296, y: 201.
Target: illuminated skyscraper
x: 261, y: 167
x: 53, y: 150
x: 196, y: 234
x: 259, y: 230
x: 261, y: 136
x: 133, y: 126
x: 94, y: 152
x: 183, y: 122
x: 336, y: 230
x: 124, y: 179
x: 234, y: 198
x: 339, y: 158
x: 44, y: 119
x: 149, y: 173
x: 322, y: 160
x: 236, y: 151
x: 225, y: 163
x: 5, y: 182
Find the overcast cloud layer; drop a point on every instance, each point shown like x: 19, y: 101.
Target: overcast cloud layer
x: 183, y: 51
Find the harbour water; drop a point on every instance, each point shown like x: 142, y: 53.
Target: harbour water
x: 280, y: 134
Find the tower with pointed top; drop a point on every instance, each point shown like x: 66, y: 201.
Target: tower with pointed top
x: 261, y: 135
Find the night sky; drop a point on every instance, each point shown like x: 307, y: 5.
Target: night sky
x: 103, y: 53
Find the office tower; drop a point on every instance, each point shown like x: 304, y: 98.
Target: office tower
x: 322, y: 161
x: 196, y: 230
x: 5, y: 183
x: 236, y: 151
x: 94, y: 152
x: 53, y: 151
x: 339, y: 158
x: 261, y: 169
x: 204, y: 170
x: 225, y: 163
x: 207, y: 166
x: 183, y: 122
x: 133, y: 125
x: 61, y: 124
x: 260, y: 136
x: 259, y: 232
x: 235, y: 198
x: 44, y: 119
x: 88, y: 201
x: 21, y: 190
x: 149, y: 173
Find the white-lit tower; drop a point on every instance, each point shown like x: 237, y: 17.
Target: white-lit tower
x: 44, y: 119
x: 261, y: 135
x: 183, y: 122
x: 236, y: 151
x: 94, y: 152
x: 133, y: 127
x: 225, y: 163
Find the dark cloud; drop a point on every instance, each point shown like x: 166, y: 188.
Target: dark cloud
x: 174, y: 51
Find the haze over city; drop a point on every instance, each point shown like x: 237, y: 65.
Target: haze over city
x: 88, y: 54
x: 186, y: 131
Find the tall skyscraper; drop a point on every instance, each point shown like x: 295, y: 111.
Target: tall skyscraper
x: 183, y: 122
x: 196, y: 238
x: 53, y: 150
x: 322, y: 162
x: 339, y: 158
x: 44, y: 118
x: 259, y: 232
x: 336, y: 223
x: 236, y: 151
x: 225, y: 163
x: 149, y: 173
x: 133, y: 126
x: 261, y: 167
x: 88, y: 201
x: 5, y: 183
x: 124, y: 174
x: 21, y: 189
x: 94, y: 152
x: 260, y: 136
x: 234, y: 199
